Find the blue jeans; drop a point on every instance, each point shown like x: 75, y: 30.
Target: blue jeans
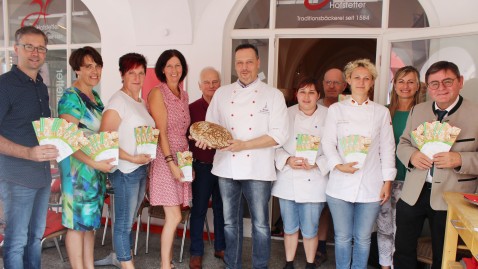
x: 257, y: 194
x: 129, y: 192
x: 352, y: 221
x: 25, y: 216
x: 204, y: 185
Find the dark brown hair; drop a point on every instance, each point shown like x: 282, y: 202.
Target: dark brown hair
x: 164, y: 58
x: 77, y: 57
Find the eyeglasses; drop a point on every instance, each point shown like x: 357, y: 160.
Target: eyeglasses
x: 213, y: 83
x: 330, y: 83
x: 31, y: 48
x: 91, y: 67
x: 448, y: 82
x: 409, y: 83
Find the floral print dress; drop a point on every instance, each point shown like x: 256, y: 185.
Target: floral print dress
x: 83, y: 188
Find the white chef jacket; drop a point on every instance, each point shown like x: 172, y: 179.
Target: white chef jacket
x: 248, y: 113
x: 369, y: 120
x: 300, y: 185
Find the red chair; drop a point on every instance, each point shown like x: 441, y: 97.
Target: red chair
x: 54, y: 229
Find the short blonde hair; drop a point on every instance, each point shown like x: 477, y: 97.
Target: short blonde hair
x: 366, y: 63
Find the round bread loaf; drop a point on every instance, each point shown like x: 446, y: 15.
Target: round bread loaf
x: 213, y: 134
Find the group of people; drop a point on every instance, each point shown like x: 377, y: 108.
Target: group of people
x: 259, y: 162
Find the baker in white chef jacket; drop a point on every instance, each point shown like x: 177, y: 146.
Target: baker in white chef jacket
x: 301, y: 178
x: 357, y: 188
x: 256, y: 115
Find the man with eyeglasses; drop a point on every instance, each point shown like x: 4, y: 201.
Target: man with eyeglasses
x: 205, y: 183
x: 334, y: 84
x: 24, y: 165
x: 427, y: 179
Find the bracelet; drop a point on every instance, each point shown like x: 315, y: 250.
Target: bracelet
x: 170, y: 160
x: 170, y: 157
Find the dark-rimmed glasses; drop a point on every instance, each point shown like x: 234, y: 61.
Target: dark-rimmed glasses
x: 31, y: 48
x: 448, y: 82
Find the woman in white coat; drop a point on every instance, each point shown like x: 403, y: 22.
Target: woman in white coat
x: 360, y: 151
x: 301, y: 181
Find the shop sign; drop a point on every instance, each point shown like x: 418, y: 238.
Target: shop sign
x: 329, y: 13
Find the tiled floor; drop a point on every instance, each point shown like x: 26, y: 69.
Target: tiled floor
x: 51, y: 259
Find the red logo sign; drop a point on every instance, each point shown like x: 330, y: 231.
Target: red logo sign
x: 38, y: 14
x: 310, y: 6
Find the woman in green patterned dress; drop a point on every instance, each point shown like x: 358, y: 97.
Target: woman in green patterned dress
x: 83, y: 179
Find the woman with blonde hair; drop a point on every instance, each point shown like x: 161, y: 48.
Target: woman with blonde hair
x: 405, y: 94
x: 360, y: 150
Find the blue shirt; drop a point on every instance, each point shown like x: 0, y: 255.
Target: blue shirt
x: 22, y: 100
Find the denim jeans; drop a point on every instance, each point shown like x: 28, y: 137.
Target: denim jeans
x: 257, y: 194
x: 352, y: 222
x: 25, y: 217
x: 204, y: 185
x: 129, y: 192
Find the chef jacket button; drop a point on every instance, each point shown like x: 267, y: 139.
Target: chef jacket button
x: 253, y: 102
x: 255, y: 91
x: 232, y: 102
x: 233, y: 155
x: 250, y: 129
x: 309, y: 179
x: 232, y: 115
x: 247, y: 155
x: 232, y: 128
x: 252, y: 115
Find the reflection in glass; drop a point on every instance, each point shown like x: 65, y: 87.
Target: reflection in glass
x: 262, y: 46
x: 46, y: 16
x: 255, y: 15
x: 407, y: 14
x: 328, y: 13
x: 421, y: 54
x: 2, y: 33
x: 54, y: 75
x: 3, y: 63
x: 84, y: 28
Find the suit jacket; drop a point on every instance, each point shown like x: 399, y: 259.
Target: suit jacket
x: 460, y: 179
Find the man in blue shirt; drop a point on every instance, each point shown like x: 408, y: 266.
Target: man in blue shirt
x: 24, y: 165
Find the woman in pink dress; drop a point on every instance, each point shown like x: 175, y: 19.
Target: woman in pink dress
x: 168, y: 104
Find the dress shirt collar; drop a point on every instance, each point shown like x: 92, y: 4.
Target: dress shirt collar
x: 452, y: 108
x: 248, y: 85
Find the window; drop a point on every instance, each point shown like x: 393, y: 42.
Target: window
x: 67, y: 23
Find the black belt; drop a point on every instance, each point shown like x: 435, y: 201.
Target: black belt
x: 427, y: 185
x: 201, y: 162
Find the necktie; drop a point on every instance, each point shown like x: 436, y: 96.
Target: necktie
x: 440, y: 115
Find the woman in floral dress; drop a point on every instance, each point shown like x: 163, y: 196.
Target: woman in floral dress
x: 83, y: 180
x: 168, y: 104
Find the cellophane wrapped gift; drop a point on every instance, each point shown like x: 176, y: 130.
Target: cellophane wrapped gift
x: 60, y: 133
x: 185, y: 163
x: 146, y: 140
x: 355, y: 149
x: 307, y: 147
x: 103, y: 146
x: 435, y: 137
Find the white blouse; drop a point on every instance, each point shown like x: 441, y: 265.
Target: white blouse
x: 132, y: 114
x: 300, y: 185
x: 369, y: 120
x: 248, y: 113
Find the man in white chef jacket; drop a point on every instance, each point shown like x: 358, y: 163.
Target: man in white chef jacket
x: 256, y: 115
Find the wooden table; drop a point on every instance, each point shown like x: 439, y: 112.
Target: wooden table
x: 461, y: 220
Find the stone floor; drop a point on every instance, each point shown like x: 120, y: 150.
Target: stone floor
x: 51, y: 259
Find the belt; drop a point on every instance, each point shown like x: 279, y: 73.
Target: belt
x: 201, y: 162
x: 427, y: 185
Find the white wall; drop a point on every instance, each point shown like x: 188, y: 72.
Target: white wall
x: 193, y: 27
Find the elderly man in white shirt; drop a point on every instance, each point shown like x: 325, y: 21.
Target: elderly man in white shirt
x: 359, y: 128
x: 256, y: 115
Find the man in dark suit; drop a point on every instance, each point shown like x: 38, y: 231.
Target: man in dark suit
x: 428, y: 178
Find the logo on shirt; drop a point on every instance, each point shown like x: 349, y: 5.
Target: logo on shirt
x: 264, y: 110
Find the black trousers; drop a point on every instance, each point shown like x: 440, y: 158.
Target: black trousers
x: 410, y: 221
